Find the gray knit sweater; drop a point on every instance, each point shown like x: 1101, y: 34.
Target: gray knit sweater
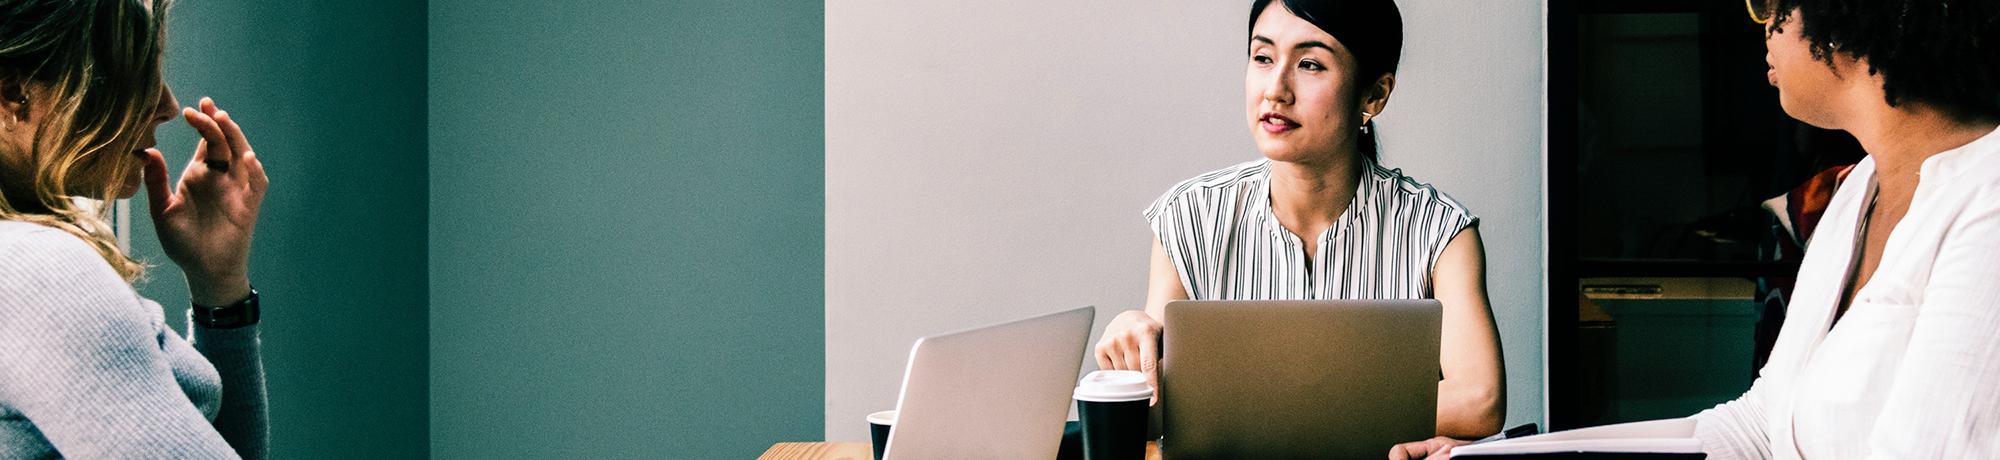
x: 89, y: 369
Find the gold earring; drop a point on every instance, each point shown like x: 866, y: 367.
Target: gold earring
x: 1364, y: 121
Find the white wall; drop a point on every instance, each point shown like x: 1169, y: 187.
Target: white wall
x: 987, y: 161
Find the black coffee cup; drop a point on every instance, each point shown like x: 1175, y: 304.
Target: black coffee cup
x: 879, y: 424
x: 1111, y: 406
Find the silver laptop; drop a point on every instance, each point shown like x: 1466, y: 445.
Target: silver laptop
x: 1000, y: 391
x: 1298, y: 379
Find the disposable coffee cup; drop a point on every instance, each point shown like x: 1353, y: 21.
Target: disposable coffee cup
x: 878, y: 426
x: 1111, y: 406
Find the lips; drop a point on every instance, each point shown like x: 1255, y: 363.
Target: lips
x: 1274, y: 123
x: 1770, y: 71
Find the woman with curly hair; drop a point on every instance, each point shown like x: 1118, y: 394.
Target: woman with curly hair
x: 1892, y: 347
x: 88, y: 368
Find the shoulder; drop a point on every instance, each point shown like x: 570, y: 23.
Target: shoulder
x: 1970, y: 178
x: 1980, y: 166
x: 1428, y: 201
x: 1227, y: 179
x: 28, y: 241
x: 1975, y: 217
x: 27, y: 248
x: 46, y: 269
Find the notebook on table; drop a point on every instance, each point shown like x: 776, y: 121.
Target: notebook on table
x: 1655, y: 439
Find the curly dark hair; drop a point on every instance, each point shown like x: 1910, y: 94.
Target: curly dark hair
x: 1940, y: 53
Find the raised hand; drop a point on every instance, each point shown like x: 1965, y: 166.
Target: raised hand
x: 206, y: 221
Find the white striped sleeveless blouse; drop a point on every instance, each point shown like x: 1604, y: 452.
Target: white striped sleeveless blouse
x: 1219, y: 231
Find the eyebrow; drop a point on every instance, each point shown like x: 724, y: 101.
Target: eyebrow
x: 1300, y: 45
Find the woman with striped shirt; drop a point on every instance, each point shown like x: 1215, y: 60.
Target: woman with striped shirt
x: 1319, y: 217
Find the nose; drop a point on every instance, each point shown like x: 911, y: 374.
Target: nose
x: 1279, y: 89
x: 167, y: 108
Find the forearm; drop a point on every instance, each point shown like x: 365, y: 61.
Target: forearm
x: 1469, y: 410
x: 1729, y: 432
x: 217, y: 290
x: 244, y: 417
x: 1734, y: 429
x: 1472, y: 395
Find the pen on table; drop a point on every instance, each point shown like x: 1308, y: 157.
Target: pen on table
x: 1515, y: 432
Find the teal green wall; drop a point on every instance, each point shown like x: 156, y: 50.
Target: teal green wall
x: 331, y: 94
x: 626, y: 228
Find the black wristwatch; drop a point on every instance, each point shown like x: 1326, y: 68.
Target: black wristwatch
x: 239, y: 314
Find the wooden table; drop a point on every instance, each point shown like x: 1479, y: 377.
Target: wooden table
x: 856, y: 451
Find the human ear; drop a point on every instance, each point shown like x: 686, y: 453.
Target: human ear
x: 1375, y: 97
x: 14, y: 98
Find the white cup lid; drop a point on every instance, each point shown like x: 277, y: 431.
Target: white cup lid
x: 1113, y: 386
x: 887, y: 417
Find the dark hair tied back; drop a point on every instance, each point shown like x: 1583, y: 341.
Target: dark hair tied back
x: 1370, y: 29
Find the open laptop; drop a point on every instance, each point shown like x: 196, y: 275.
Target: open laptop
x: 1000, y: 391
x: 1298, y: 379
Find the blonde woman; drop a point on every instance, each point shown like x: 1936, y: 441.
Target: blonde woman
x: 88, y: 368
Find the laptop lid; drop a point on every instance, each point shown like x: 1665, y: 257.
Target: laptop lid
x: 1000, y: 391
x: 1291, y: 379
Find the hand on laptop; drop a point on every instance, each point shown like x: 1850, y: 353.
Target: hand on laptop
x: 1132, y: 342
x: 1438, y: 447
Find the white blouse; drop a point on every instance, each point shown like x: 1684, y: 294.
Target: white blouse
x: 1912, y: 370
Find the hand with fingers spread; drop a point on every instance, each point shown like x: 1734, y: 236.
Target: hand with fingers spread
x: 205, y: 223
x: 1132, y: 342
